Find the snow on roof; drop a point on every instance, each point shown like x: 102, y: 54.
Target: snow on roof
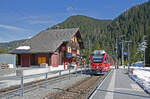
x: 23, y: 48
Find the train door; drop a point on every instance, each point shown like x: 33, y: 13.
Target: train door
x: 106, y: 63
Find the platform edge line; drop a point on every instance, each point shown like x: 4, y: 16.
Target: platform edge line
x: 99, y: 85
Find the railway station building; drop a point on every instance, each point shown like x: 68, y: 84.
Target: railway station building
x: 51, y: 47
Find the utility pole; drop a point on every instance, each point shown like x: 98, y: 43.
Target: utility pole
x: 128, y: 54
x: 122, y: 52
x: 122, y: 57
x: 89, y: 51
x: 144, y: 57
x: 116, y: 53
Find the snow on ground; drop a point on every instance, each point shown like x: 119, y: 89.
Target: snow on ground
x: 141, y: 75
x: 138, y: 64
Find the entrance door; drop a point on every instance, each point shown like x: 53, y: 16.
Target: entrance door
x: 55, y: 60
x: 25, y: 60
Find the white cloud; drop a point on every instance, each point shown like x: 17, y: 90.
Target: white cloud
x: 70, y: 8
x: 75, y: 9
x: 12, y: 27
x: 43, y: 19
x: 40, y: 22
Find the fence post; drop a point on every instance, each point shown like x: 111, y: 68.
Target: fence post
x: 22, y: 86
x: 7, y: 96
x: 69, y: 74
x: 46, y: 79
x: 60, y: 75
x: 76, y: 72
x: 81, y: 70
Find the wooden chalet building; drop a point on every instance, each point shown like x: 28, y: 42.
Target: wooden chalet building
x: 53, y: 47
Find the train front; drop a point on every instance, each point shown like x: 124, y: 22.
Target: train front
x: 97, y: 62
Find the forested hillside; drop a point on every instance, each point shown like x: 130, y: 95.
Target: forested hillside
x: 133, y: 23
x: 5, y: 47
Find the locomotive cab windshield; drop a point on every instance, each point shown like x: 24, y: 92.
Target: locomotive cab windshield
x: 98, y: 58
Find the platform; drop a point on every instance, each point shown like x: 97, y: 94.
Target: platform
x: 118, y: 85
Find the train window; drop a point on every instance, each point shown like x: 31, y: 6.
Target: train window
x: 106, y: 60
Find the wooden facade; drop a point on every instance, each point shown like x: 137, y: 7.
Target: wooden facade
x: 25, y: 60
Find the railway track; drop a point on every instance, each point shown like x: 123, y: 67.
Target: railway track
x: 80, y: 90
x: 15, y: 90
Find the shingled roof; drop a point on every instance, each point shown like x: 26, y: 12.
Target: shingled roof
x: 47, y: 40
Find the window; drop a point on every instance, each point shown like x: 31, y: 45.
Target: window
x: 69, y: 49
x: 41, y: 59
x: 75, y: 40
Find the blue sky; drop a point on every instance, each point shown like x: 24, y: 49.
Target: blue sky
x: 21, y: 19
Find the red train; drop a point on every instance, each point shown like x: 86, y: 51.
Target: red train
x: 100, y: 61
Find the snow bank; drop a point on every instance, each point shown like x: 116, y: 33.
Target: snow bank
x: 138, y: 64
x: 142, y: 77
x: 60, y: 67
